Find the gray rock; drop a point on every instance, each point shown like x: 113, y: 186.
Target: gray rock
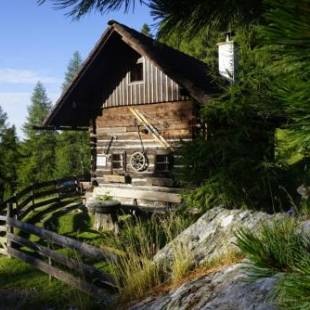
x: 222, y: 290
x: 213, y: 234
x: 209, y: 238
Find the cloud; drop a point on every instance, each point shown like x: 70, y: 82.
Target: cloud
x: 21, y: 76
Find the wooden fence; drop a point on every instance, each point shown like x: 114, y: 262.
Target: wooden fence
x: 50, y: 252
x: 41, y: 194
x: 3, y: 239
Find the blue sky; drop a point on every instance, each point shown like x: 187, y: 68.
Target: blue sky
x: 37, y: 42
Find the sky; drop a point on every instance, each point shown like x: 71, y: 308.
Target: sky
x: 37, y: 43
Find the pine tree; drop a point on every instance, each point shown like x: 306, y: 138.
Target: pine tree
x: 3, y: 119
x: 73, y: 68
x: 181, y: 14
x: 73, y: 152
x: 146, y: 30
x: 38, y: 149
x: 240, y: 119
x: 287, y: 36
x: 9, y: 157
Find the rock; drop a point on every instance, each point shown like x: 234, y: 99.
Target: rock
x: 210, y: 237
x: 213, y: 234
x: 222, y: 290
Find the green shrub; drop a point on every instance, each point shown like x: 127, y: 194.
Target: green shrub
x: 280, y: 249
x: 292, y: 291
x: 275, y: 248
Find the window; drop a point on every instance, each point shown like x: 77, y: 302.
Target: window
x: 183, y: 92
x: 163, y: 163
x: 117, y: 161
x: 136, y: 72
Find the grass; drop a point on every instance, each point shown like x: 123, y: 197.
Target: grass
x: 286, y: 147
x: 136, y: 274
x: 27, y: 288
x: 226, y: 258
x: 182, y: 263
x: 195, y: 272
x: 281, y: 250
x: 276, y: 248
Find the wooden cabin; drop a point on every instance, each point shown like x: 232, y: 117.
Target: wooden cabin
x: 139, y: 100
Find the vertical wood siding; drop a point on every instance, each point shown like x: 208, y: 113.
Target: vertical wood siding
x: 156, y: 87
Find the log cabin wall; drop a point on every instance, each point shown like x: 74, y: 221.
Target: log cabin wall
x: 117, y: 135
x: 155, y: 87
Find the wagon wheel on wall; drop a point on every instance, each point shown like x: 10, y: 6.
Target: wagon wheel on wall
x: 138, y: 161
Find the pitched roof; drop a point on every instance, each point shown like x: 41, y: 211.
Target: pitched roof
x: 81, y: 100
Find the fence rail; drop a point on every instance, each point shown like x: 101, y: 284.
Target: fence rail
x: 41, y: 194
x: 3, y: 231
x: 48, y: 254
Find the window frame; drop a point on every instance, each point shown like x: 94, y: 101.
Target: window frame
x: 120, y: 161
x: 138, y: 62
x: 167, y: 161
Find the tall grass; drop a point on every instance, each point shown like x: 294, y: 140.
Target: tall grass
x: 282, y: 250
x: 224, y: 258
x: 276, y: 248
x: 135, y: 272
x: 182, y: 263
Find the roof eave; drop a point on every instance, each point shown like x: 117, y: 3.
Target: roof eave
x: 88, y: 61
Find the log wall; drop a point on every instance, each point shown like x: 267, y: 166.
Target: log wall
x: 116, y: 132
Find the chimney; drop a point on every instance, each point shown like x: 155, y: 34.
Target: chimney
x: 228, y: 58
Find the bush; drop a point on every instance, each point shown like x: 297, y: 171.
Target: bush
x: 282, y: 250
x: 292, y: 292
x: 276, y: 248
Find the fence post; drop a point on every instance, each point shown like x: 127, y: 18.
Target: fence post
x: 15, y: 206
x: 9, y: 228
x: 49, y: 260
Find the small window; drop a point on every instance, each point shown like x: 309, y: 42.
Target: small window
x: 117, y: 161
x: 163, y: 163
x: 136, y: 72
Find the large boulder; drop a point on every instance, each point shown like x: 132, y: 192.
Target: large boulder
x: 213, y: 234
x: 222, y: 290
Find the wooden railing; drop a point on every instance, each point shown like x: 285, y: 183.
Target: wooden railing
x: 41, y: 194
x: 48, y: 254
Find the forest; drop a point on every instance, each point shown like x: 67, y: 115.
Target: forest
x: 41, y: 155
x: 217, y: 249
